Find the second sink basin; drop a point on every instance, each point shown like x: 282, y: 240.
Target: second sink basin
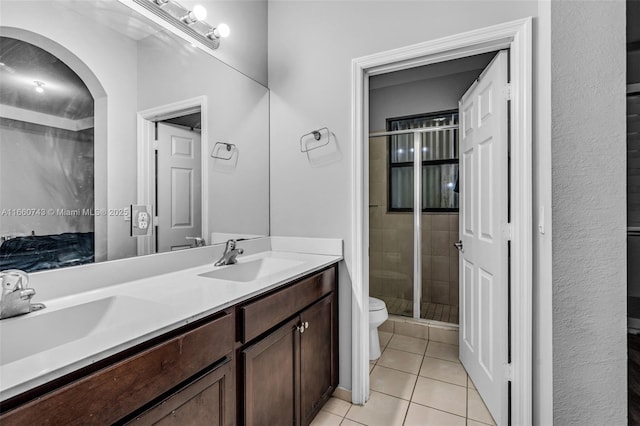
x: 30, y: 334
x: 252, y: 270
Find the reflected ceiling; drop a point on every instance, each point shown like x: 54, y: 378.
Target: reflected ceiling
x: 22, y: 64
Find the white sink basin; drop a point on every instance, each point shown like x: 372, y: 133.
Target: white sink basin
x: 252, y: 270
x: 34, y: 333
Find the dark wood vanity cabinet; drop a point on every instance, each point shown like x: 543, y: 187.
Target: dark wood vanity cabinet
x: 290, y: 371
x: 271, y: 360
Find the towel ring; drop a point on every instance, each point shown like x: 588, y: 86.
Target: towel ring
x: 228, y: 146
x: 317, y: 136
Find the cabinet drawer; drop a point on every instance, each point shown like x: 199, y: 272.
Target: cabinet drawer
x: 262, y: 314
x: 113, y: 392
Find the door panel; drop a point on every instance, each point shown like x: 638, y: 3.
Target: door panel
x: 271, y: 376
x: 178, y: 187
x: 484, y: 260
x: 316, y: 360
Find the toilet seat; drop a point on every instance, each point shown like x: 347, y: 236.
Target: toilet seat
x: 376, y: 304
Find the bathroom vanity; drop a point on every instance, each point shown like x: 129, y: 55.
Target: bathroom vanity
x: 267, y: 353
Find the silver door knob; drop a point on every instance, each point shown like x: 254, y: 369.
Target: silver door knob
x: 458, y: 245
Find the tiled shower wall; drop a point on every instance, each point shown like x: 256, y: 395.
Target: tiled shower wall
x: 391, y: 243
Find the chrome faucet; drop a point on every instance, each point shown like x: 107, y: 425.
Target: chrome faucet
x: 230, y: 254
x: 16, y: 297
x: 197, y: 241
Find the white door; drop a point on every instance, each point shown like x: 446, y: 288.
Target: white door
x: 483, y: 225
x: 179, y: 209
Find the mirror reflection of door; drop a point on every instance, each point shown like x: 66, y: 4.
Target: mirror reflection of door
x: 178, y: 183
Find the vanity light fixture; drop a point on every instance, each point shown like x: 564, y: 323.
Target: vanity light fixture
x: 191, y: 22
x: 39, y: 86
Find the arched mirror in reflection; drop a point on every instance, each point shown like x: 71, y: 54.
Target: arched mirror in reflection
x: 46, y: 161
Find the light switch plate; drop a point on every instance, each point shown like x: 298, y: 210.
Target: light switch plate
x: 141, y: 220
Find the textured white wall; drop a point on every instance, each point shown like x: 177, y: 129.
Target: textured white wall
x: 589, y: 212
x: 311, y: 45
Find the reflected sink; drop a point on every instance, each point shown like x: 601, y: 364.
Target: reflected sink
x: 27, y: 335
x: 253, y: 270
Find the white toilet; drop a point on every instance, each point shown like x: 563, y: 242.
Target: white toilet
x: 377, y: 315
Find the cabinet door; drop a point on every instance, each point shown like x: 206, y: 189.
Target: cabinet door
x: 208, y: 400
x: 271, y: 377
x: 318, y: 350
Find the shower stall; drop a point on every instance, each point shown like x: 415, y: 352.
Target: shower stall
x: 413, y: 216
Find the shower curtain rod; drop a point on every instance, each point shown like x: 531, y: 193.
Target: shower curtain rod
x: 418, y: 130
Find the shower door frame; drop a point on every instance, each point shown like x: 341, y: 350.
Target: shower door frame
x: 517, y: 37
x: 417, y: 203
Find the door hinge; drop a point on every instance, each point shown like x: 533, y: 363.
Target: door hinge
x: 508, y: 372
x: 507, y: 91
x: 508, y: 231
x: 155, y: 145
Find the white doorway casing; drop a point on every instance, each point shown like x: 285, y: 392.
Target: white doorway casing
x: 517, y: 37
x: 146, y: 163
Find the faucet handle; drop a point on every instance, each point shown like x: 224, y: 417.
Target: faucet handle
x: 197, y: 241
x: 13, y: 280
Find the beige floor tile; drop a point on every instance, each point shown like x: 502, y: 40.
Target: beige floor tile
x: 420, y: 331
x: 384, y: 338
x: 400, y: 360
x: 325, y: 418
x: 441, y: 396
x: 477, y: 410
x: 472, y: 423
x: 442, y: 351
x: 371, y: 365
x: 419, y: 415
x: 386, y: 326
x: 470, y: 384
x: 347, y: 422
x: 408, y: 344
x: 443, y: 335
x: 446, y: 371
x: 393, y: 382
x: 337, y: 406
x: 380, y: 410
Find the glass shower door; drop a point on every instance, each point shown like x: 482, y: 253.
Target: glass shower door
x: 391, y: 222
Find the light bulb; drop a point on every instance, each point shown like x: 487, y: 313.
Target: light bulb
x: 199, y: 12
x: 39, y: 87
x: 223, y: 30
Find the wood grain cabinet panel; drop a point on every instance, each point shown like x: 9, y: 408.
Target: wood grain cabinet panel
x: 271, y: 378
x: 206, y: 400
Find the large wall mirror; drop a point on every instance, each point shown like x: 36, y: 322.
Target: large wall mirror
x: 102, y: 109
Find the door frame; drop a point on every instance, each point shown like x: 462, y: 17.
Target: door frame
x: 517, y: 37
x: 146, y: 165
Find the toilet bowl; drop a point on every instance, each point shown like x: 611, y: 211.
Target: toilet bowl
x: 377, y: 315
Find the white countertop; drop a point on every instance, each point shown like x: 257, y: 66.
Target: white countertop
x: 131, y: 312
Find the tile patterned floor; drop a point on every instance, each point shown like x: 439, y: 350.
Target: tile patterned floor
x: 430, y: 311
x: 414, y: 382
